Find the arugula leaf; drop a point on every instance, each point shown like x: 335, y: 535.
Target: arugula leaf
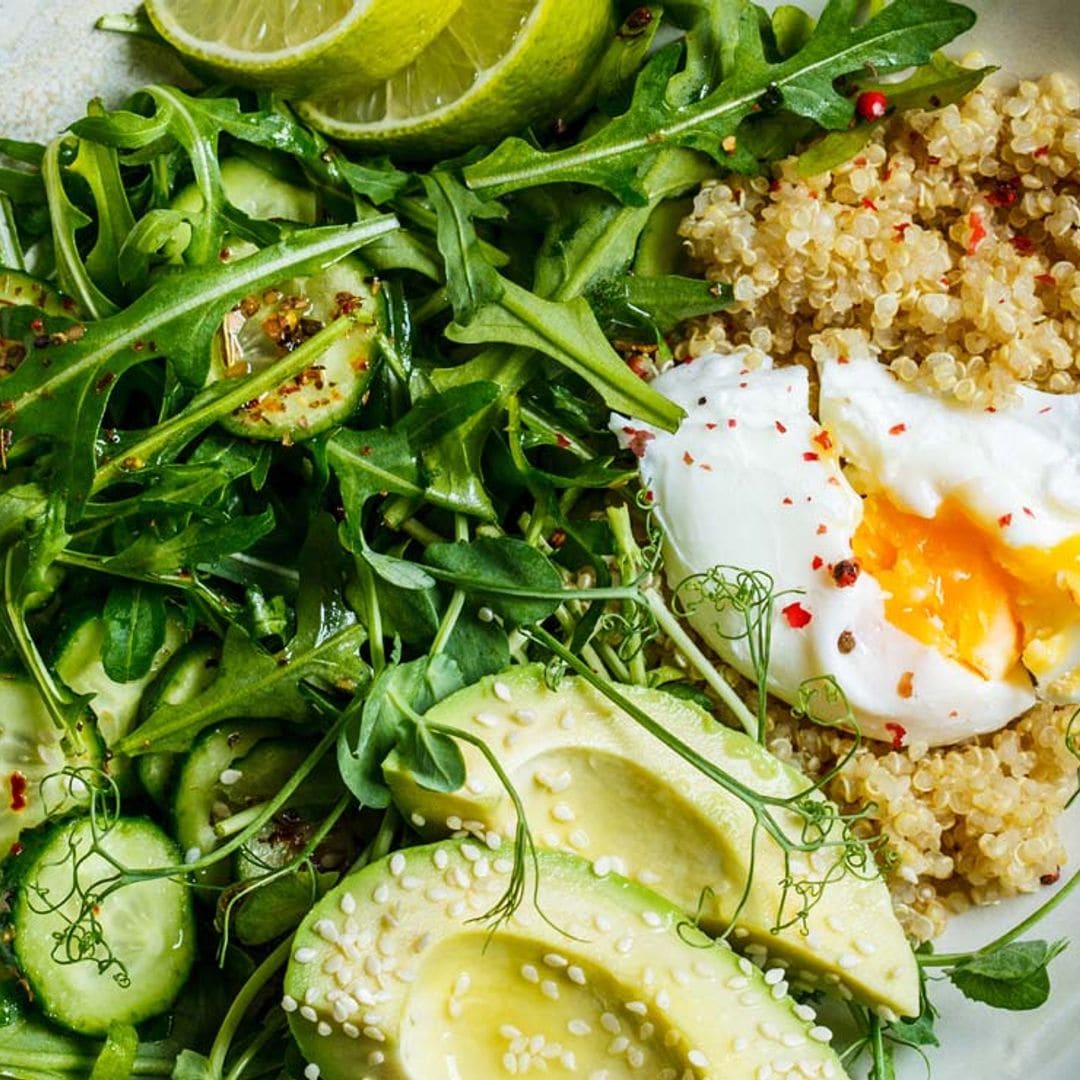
x: 663, y: 302
x: 1012, y: 977
x: 253, y: 683
x: 391, y: 715
x: 903, y: 33
x: 134, y: 618
x: 492, y: 569
x: 938, y: 83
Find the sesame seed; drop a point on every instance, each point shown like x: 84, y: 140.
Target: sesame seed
x: 650, y: 918
x: 304, y: 955
x: 804, y: 1012
x: 635, y: 1057
x: 602, y: 866
x: 471, y: 852
x: 663, y: 999
x: 637, y: 1007
x: 453, y: 823
x: 502, y: 691
x: 847, y: 961
x: 549, y: 990
x: 347, y: 903
x: 381, y: 893
x: 327, y: 931
x: 610, y: 1023
x: 779, y: 991
x: 192, y: 855
x: 230, y: 776
x: 289, y: 1003
x: 312, y: 1071
x: 493, y: 841
x: 579, y: 1027
x: 561, y: 812
x: 418, y: 819
x: 351, y: 1030
x: 575, y: 975
x: 509, y: 1063
x: 738, y: 982
x: 410, y: 882
x: 819, y: 1033
x: 697, y: 1059
x: 374, y: 1033
x: 618, y: 1045
x: 308, y: 1013
x: 397, y: 864
x: 488, y: 720
x: 579, y: 838
x: 529, y: 973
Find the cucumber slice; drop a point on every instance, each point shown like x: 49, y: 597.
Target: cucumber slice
x: 203, y: 799
x: 262, y: 328
x: 147, y: 929
x: 188, y: 674
x: 31, y: 759
x: 78, y: 663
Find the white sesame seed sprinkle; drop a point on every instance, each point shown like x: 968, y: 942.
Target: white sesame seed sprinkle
x: 619, y: 1045
x: 804, y: 1012
x: 351, y: 1030
x: 529, y: 973
x: 308, y: 1013
x: 289, y: 1003
x: 580, y: 1027
x: 575, y: 974
x: 312, y: 1072
x: 381, y: 893
x: 610, y: 1023
x: 192, y: 855
x: 820, y: 1033
x: 579, y: 838
x: 453, y: 823
x: 397, y: 864
x: 697, y: 1059
x: 550, y: 989
x: 471, y: 852
x: 738, y: 982
x: 304, y: 955
x: 847, y: 961
x: 773, y: 976
x: 639, y: 1008
x: 488, y: 720
x: 502, y: 691
x: 779, y: 991
x: 374, y: 1033
x: 229, y: 777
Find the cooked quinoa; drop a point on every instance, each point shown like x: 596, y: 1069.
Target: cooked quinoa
x: 951, y: 245
x: 952, y: 242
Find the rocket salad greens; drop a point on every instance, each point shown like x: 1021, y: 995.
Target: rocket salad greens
x: 297, y: 443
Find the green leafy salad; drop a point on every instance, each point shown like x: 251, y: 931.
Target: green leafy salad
x: 347, y: 728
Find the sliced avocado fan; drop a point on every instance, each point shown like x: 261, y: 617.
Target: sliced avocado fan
x: 595, y: 783
x: 394, y: 974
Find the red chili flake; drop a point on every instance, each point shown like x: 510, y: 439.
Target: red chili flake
x: 1051, y: 878
x: 706, y: 467
x: 710, y: 427
x: 824, y: 440
x: 1023, y: 244
x: 1005, y: 521
x: 366, y: 451
x: 15, y: 849
x: 1045, y: 409
x: 898, y: 429
x: 688, y: 458
x: 860, y: 161
x: 991, y: 408
x: 37, y: 325
x: 638, y: 366
x: 649, y: 496
x: 780, y: 427
x: 17, y: 782
x: 1027, y: 510
x: 557, y: 538
x: 871, y: 105
x: 774, y: 185
x: 898, y: 733
x: 809, y: 455
x: 797, y: 616
x: 1042, y: 151
x: 1046, y: 279
x: 887, y: 174
x: 743, y: 385
x: 900, y: 230
x: 933, y: 159
x: 732, y: 422
x: 822, y: 530
x: 843, y: 360
x: 638, y: 438
x: 561, y: 440
x: 978, y: 231
x: 225, y: 254
x: 846, y: 572
x: 869, y: 204
x: 817, y: 562
x: 1004, y: 192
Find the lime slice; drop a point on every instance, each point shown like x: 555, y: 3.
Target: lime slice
x: 496, y: 67
x: 301, y: 46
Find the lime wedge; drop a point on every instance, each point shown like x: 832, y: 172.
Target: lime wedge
x: 301, y: 46
x: 496, y: 67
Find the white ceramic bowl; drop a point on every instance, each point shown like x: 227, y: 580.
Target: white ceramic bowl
x: 53, y: 61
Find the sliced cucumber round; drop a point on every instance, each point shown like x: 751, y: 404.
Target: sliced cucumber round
x: 203, y: 797
x: 78, y: 663
x: 262, y: 328
x: 33, y: 785
x: 185, y: 676
x: 95, y: 960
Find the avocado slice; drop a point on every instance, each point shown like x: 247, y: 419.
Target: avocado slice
x: 595, y: 783
x: 392, y: 975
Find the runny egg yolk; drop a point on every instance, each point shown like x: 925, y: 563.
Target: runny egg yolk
x: 953, y: 584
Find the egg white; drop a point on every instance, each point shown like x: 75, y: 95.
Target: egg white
x: 750, y: 481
